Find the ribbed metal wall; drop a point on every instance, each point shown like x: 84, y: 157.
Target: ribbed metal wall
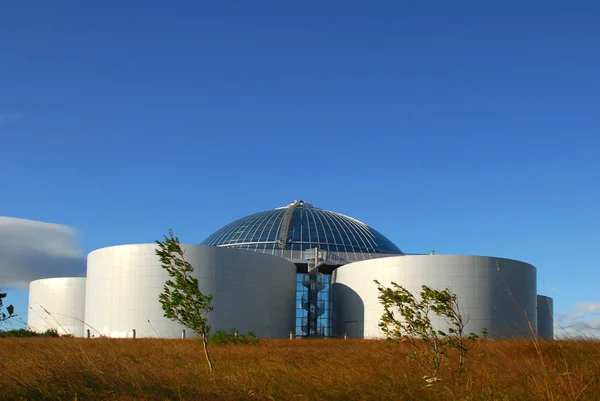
x: 545, y: 312
x: 252, y: 291
x: 494, y: 293
x: 57, y: 303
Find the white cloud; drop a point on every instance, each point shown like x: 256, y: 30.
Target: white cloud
x: 568, y: 316
x: 578, y: 330
x: 30, y: 250
x: 595, y: 323
x: 589, y: 307
x: 583, y: 322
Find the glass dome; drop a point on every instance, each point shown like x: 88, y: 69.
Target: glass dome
x: 288, y: 231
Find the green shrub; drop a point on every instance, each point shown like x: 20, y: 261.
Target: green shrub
x: 51, y: 333
x: 407, y: 318
x: 10, y: 309
x: 24, y: 333
x: 18, y: 333
x: 233, y: 337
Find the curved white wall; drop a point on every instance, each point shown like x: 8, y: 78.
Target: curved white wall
x: 252, y: 291
x: 64, y: 300
x: 494, y: 293
x: 545, y: 313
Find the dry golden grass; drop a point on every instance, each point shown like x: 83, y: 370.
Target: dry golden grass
x: 92, y: 369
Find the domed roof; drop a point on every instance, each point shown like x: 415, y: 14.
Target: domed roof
x: 287, y: 231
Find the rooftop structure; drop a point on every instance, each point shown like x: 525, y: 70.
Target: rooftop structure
x: 295, y: 269
x: 288, y: 231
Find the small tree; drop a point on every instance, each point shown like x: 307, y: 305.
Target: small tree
x: 406, y: 318
x: 445, y: 304
x: 181, y: 299
x: 10, y: 309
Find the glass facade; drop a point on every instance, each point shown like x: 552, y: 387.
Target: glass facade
x: 288, y: 232
x: 305, y: 325
x: 307, y: 227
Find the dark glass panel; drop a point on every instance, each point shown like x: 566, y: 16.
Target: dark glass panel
x: 310, y: 227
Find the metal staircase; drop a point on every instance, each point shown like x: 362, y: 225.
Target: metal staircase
x: 311, y: 302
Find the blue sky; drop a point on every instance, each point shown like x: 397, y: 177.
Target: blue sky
x: 462, y: 127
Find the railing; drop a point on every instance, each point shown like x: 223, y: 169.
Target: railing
x: 314, y: 329
x: 314, y: 283
x: 314, y: 307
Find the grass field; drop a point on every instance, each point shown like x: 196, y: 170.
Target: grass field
x: 92, y: 369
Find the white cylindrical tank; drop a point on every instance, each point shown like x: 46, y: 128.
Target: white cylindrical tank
x: 252, y: 291
x: 493, y: 293
x: 57, y: 303
x: 545, y: 313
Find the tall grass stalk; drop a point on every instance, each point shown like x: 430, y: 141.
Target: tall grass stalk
x: 102, y: 368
